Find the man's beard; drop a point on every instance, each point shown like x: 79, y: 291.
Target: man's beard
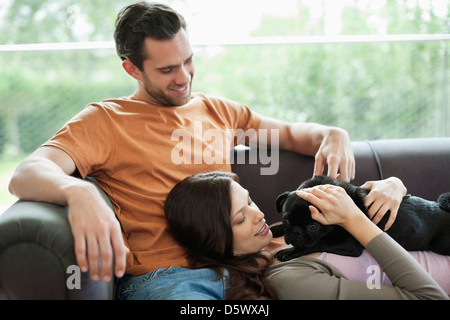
x: 163, y: 98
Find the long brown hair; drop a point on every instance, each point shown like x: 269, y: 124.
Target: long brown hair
x: 198, y: 213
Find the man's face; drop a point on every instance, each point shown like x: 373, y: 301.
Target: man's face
x: 168, y: 71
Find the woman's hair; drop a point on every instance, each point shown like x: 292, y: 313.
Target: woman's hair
x: 140, y: 20
x: 198, y: 213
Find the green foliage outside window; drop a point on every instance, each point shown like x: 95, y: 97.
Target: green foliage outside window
x: 375, y: 90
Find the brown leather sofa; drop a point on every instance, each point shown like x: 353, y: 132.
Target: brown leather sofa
x: 36, y: 244
x: 422, y: 164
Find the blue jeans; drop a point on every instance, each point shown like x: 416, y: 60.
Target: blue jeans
x: 174, y: 283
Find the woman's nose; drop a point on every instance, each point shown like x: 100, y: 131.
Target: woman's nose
x: 258, y: 216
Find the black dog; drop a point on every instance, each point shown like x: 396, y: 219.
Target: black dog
x: 420, y: 224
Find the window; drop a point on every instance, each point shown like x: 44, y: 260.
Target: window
x: 377, y: 68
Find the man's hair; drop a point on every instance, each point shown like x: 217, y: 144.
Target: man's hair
x: 141, y: 20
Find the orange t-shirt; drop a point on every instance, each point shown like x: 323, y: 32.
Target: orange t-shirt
x: 137, y: 152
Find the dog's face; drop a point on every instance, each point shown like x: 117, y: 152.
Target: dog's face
x: 308, y: 235
x: 301, y: 230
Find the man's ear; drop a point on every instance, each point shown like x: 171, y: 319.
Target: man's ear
x: 132, y: 70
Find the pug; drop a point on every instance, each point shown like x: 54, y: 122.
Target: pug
x: 420, y: 224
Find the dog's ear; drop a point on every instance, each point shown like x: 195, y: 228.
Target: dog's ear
x: 280, y: 200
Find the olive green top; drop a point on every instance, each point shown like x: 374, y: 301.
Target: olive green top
x: 310, y: 278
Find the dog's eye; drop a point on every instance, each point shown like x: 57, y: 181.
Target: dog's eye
x: 312, y: 227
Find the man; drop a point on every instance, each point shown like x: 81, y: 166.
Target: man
x: 126, y: 145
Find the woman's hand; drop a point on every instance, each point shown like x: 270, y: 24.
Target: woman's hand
x: 332, y: 205
x: 384, y: 195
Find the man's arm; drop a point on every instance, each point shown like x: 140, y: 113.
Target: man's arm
x: 46, y: 176
x: 329, y: 145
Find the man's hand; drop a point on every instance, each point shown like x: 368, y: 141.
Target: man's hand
x: 97, y: 234
x: 384, y: 195
x: 336, y: 151
x: 329, y: 145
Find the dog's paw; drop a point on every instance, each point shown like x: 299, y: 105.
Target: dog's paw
x: 287, y: 254
x: 281, y: 256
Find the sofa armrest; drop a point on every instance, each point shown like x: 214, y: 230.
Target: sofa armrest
x: 36, y: 249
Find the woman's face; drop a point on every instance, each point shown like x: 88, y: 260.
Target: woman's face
x: 250, y: 231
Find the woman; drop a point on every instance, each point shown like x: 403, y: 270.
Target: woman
x: 198, y: 213
x: 212, y: 216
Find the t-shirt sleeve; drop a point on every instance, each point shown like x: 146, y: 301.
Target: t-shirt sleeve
x: 237, y: 116
x: 87, y: 138
x: 247, y: 119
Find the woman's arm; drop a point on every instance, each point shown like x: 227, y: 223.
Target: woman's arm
x: 314, y: 279
x: 337, y: 208
x: 309, y: 278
